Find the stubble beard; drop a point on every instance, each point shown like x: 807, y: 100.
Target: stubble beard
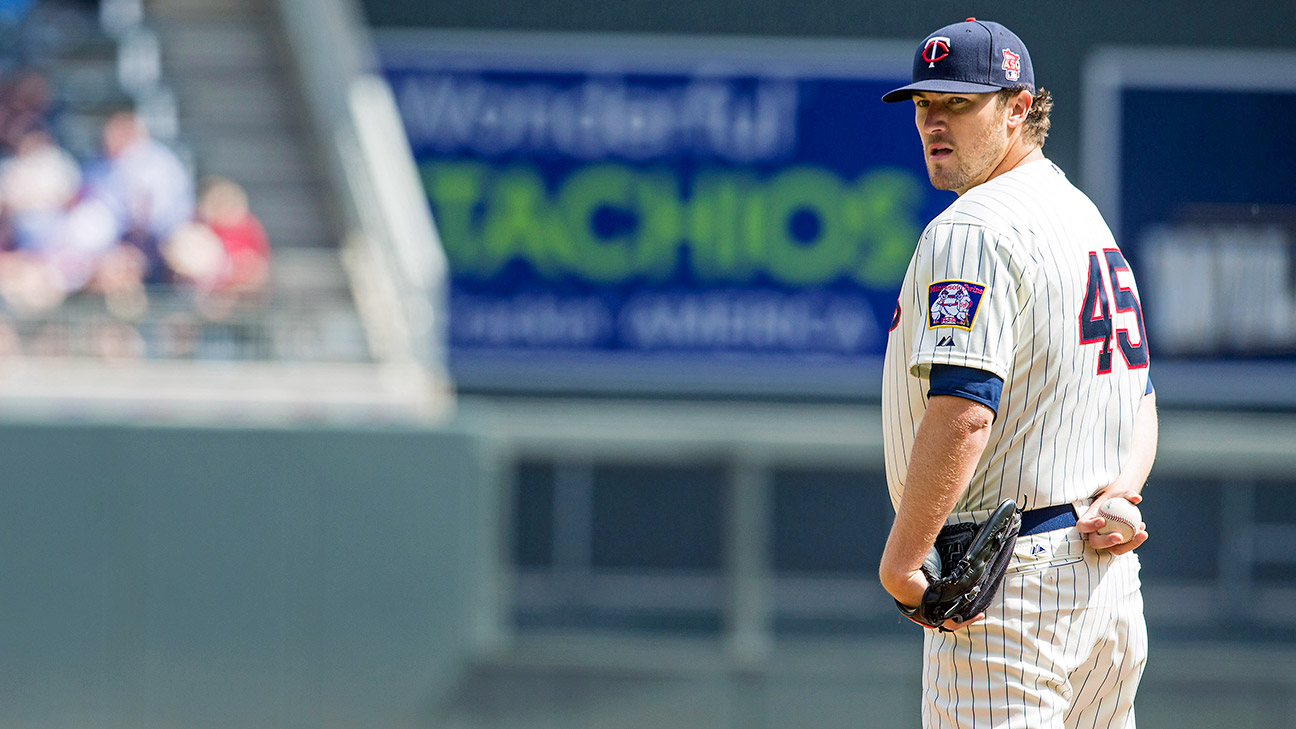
x: 972, y: 163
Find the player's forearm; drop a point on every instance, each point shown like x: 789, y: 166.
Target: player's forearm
x: 946, y: 449
x: 1146, y: 429
x: 1128, y: 485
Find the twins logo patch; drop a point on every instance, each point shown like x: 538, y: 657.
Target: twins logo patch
x: 953, y: 303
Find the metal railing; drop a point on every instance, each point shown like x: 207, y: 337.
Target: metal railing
x: 167, y: 323
x: 392, y: 251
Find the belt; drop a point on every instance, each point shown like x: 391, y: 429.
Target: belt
x: 1038, y: 521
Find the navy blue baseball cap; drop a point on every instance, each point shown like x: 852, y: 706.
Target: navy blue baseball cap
x: 972, y: 57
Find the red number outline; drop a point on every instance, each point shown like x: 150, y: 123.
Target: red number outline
x: 1123, y: 293
x: 1099, y: 310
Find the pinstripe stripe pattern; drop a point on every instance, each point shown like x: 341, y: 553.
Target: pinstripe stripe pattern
x: 1062, y: 430
x: 1064, y: 643
x: 1041, y: 658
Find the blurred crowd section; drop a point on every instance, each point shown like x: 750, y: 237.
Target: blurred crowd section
x: 113, y: 250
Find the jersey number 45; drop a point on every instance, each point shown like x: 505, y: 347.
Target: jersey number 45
x: 1097, y: 313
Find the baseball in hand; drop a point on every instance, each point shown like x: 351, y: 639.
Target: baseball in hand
x: 1122, y: 517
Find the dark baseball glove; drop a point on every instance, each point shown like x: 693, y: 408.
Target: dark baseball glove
x: 965, y: 568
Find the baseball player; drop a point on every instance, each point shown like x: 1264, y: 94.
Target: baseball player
x: 1016, y: 367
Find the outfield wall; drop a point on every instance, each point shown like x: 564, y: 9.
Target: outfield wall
x: 565, y: 564
x: 159, y: 576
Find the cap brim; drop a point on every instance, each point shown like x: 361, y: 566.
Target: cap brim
x: 940, y: 86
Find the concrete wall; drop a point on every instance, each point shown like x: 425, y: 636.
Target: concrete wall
x: 164, y: 576
x: 221, y: 577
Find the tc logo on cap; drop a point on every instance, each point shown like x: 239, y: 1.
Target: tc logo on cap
x: 937, y: 48
x: 1011, y: 65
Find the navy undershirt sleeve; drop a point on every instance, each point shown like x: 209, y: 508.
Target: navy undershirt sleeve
x: 966, y: 382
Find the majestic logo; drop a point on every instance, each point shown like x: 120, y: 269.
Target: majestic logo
x: 945, y: 342
x: 953, y: 303
x: 1011, y: 65
x: 895, y: 318
x: 937, y: 48
x: 1037, y: 550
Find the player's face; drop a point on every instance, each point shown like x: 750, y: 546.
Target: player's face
x: 964, y: 136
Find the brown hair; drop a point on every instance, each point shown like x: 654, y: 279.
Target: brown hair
x: 1037, y: 119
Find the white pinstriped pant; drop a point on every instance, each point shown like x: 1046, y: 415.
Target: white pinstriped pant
x: 1062, y: 646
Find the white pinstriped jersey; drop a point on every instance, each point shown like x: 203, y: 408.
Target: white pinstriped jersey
x: 1021, y: 277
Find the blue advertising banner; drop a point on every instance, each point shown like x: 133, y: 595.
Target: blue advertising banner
x: 1187, y: 153
x: 648, y: 213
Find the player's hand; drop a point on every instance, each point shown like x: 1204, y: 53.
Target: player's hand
x: 911, y: 593
x: 1090, y: 522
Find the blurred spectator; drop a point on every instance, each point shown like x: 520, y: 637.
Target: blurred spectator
x: 224, y: 254
x: 224, y: 208
x: 148, y: 194
x: 196, y: 257
x: 125, y: 221
x: 25, y: 106
x: 30, y: 284
x: 36, y: 186
x: 145, y: 184
x: 106, y: 239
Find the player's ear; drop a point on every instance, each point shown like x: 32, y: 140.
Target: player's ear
x: 1019, y: 107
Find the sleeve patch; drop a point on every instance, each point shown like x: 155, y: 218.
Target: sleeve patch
x: 953, y: 304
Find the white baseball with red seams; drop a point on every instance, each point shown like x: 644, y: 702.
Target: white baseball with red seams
x: 1122, y: 517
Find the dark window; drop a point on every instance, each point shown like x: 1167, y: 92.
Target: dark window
x: 533, y: 515
x: 829, y: 521
x: 658, y: 517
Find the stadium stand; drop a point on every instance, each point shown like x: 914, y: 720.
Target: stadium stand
x: 125, y: 111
